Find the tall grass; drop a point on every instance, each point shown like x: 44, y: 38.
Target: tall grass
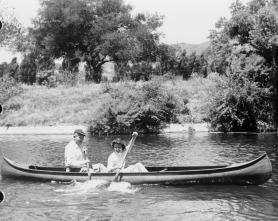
x: 112, y: 107
x: 54, y: 106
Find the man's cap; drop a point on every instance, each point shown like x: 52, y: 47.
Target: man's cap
x: 79, y: 131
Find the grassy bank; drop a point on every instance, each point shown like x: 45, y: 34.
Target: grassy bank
x: 109, y: 106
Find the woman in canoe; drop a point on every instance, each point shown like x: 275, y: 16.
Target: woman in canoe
x: 75, y: 156
x: 116, y: 160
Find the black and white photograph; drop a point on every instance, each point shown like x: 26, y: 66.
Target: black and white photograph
x: 139, y: 110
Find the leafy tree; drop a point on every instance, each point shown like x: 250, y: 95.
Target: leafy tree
x: 220, y: 48
x: 256, y: 24
x: 167, y: 56
x: 188, y: 64
x: 14, y: 69
x: 244, y: 49
x: 11, y: 30
x: 28, y: 69
x: 233, y: 106
x: 95, y: 31
x: 201, y: 65
x: 182, y: 65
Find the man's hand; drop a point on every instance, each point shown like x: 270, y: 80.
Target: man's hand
x: 84, y: 149
x: 85, y: 161
x: 83, y: 169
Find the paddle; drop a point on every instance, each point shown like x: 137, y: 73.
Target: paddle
x: 134, y: 135
x: 88, y: 165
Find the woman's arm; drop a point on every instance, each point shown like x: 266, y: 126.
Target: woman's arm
x: 113, y: 163
x: 130, y: 143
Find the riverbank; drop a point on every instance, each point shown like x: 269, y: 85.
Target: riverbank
x: 63, y: 130
x: 108, y: 108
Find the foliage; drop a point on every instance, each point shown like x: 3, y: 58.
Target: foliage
x: 244, y: 49
x: 11, y: 69
x: 169, y: 60
x: 167, y: 56
x: 220, y: 49
x: 256, y: 25
x: 8, y: 89
x: 11, y: 30
x: 135, y: 72
x: 144, y: 107
x: 39, y: 105
x: 95, y: 32
x: 28, y: 69
x: 235, y: 106
x: 107, y: 108
x: 69, y: 78
x: 14, y: 69
x: 4, y: 69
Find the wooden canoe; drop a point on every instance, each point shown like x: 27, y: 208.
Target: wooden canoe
x: 254, y: 172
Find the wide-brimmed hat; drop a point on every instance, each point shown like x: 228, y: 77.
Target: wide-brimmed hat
x: 79, y: 131
x: 117, y: 141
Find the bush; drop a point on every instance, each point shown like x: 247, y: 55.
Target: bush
x: 8, y: 89
x: 235, y: 105
x: 125, y: 107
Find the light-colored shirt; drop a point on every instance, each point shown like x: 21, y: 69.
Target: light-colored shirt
x: 73, y: 156
x: 114, y: 160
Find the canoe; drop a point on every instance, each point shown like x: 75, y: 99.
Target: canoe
x: 254, y: 172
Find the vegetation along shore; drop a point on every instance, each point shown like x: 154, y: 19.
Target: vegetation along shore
x: 231, y: 85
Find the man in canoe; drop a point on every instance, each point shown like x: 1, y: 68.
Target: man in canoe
x: 116, y: 160
x: 75, y: 156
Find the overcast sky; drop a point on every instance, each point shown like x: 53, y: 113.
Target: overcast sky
x: 187, y: 21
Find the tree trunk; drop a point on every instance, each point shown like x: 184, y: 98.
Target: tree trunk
x: 93, y: 72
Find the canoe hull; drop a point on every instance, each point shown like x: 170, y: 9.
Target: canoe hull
x: 255, y: 172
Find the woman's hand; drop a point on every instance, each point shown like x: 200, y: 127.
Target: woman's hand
x: 134, y: 134
x: 119, y: 166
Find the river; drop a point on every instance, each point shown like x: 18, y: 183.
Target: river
x: 97, y: 200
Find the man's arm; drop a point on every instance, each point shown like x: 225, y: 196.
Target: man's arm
x: 71, y: 161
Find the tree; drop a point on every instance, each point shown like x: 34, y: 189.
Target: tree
x: 167, y: 56
x: 256, y: 24
x: 220, y: 48
x: 202, y: 64
x: 28, y: 69
x: 244, y: 49
x: 11, y: 30
x: 96, y: 31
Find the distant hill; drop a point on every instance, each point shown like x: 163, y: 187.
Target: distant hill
x: 199, y: 48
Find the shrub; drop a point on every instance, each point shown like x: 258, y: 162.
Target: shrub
x: 234, y: 107
x: 126, y: 107
x: 8, y: 89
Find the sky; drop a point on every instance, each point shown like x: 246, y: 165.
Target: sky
x: 187, y: 21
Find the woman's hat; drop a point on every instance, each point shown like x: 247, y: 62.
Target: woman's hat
x: 118, y: 141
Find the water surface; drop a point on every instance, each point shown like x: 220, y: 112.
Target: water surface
x: 98, y: 200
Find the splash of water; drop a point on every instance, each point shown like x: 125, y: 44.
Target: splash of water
x: 90, y: 186
x: 122, y: 187
x: 94, y: 186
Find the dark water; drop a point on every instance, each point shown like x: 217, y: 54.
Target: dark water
x: 97, y: 200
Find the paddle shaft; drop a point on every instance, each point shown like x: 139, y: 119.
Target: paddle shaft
x: 88, y: 165
x: 122, y: 163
